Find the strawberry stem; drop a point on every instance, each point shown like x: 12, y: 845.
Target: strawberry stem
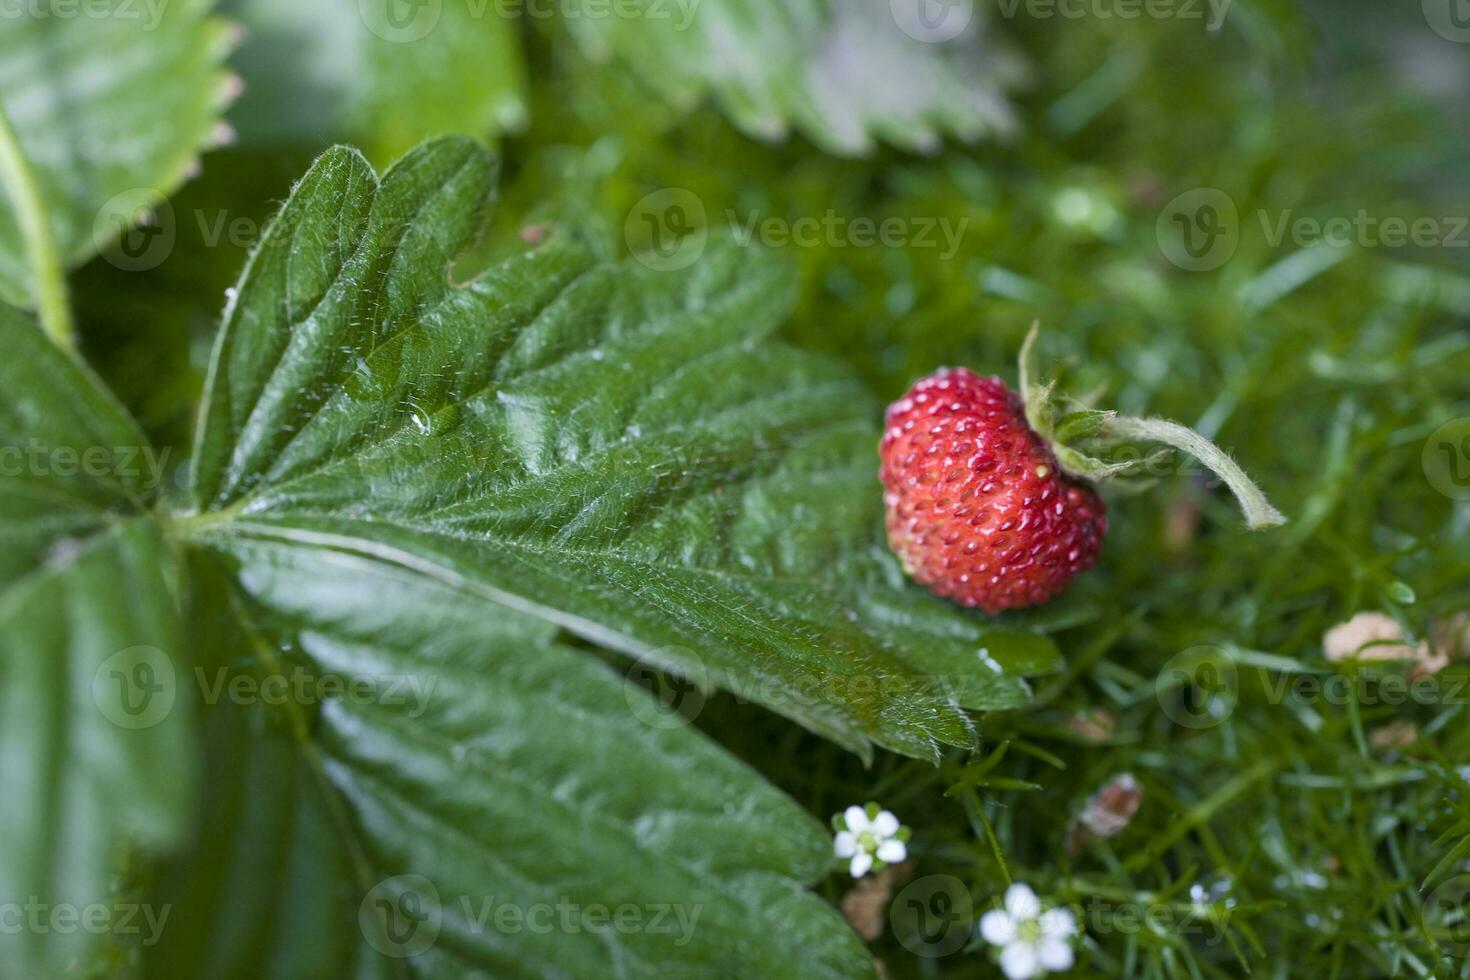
x: 48, y: 272
x: 1258, y: 510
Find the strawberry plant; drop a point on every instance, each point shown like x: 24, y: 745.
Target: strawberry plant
x: 450, y: 526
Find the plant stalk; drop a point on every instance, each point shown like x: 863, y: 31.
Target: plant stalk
x: 47, y: 272
x: 1258, y: 510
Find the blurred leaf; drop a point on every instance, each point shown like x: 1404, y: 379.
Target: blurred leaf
x: 383, y: 74
x: 844, y: 72
x: 92, y: 739
x: 112, y: 107
x: 620, y: 451
x: 501, y: 802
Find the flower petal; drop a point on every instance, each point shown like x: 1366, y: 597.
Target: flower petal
x: 1058, y: 924
x: 861, y: 862
x: 892, y: 851
x: 885, y: 824
x: 844, y: 845
x: 1019, y: 962
x: 1054, y: 955
x: 857, y: 819
x: 1022, y: 903
x: 996, y: 928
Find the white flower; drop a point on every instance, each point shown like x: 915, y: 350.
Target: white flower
x: 868, y: 835
x: 1032, y: 942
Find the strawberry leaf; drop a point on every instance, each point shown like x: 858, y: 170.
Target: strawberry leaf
x: 93, y: 731
x: 844, y: 72
x: 622, y: 453
x: 486, y: 803
x: 383, y: 74
x: 111, y: 107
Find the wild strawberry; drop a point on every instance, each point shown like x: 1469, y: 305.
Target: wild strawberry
x: 987, y: 502
x: 978, y: 508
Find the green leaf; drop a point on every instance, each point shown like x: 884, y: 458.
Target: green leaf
x: 621, y: 452
x: 383, y: 74
x: 843, y: 72
x: 93, y: 750
x: 261, y: 889
x: 499, y: 800
x: 111, y: 107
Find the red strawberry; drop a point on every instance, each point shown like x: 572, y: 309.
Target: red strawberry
x: 978, y: 509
